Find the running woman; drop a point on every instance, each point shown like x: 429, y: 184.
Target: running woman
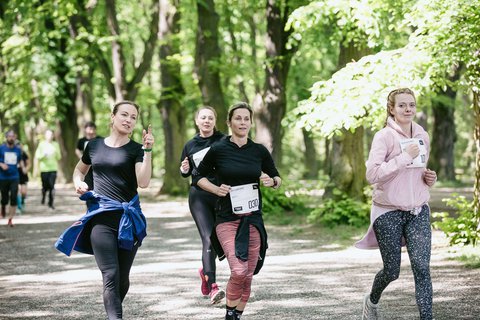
x: 239, y: 235
x: 396, y: 168
x: 114, y: 225
x: 201, y: 202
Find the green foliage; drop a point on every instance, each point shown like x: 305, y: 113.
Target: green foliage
x: 278, y: 206
x: 461, y: 229
x: 340, y: 211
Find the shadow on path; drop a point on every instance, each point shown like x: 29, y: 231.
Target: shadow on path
x: 298, y: 282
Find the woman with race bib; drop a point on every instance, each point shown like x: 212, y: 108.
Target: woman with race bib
x: 240, y: 165
x: 201, y: 202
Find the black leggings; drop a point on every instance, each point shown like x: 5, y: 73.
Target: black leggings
x: 115, y: 264
x: 389, y: 229
x: 202, y: 207
x: 48, y: 184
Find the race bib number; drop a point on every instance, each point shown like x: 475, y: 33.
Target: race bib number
x: 197, y: 157
x: 245, y: 198
x: 421, y: 160
x: 11, y: 158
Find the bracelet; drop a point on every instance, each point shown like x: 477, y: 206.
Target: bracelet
x: 147, y: 150
x: 275, y: 183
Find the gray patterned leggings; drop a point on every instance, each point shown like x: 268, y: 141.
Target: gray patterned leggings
x: 389, y: 229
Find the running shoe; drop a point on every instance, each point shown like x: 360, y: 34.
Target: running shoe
x: 370, y: 309
x: 204, y: 287
x: 231, y: 315
x: 216, y: 294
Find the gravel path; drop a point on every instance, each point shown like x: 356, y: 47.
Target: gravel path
x: 306, y: 275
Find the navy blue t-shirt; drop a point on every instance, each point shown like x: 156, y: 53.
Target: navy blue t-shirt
x: 114, y: 168
x: 11, y: 157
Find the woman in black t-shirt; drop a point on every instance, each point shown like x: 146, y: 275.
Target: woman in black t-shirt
x: 201, y: 202
x: 239, y: 165
x: 119, y: 165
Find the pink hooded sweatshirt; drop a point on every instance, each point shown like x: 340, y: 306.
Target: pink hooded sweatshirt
x: 395, y: 187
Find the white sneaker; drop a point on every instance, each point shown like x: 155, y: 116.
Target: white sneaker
x: 370, y: 309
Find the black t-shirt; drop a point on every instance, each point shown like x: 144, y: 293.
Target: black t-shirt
x: 195, y: 145
x: 234, y: 166
x: 81, y: 145
x: 114, y: 168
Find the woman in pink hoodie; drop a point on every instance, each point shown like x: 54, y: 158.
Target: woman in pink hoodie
x: 396, y: 167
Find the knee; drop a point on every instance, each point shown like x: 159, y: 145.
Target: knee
x: 391, y: 274
x: 239, y: 276
x: 422, y: 271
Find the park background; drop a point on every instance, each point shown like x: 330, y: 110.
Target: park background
x: 317, y: 74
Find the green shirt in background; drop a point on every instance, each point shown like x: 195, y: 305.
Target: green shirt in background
x: 48, y: 154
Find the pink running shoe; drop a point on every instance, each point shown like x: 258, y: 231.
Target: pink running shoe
x: 204, y: 288
x: 216, y: 294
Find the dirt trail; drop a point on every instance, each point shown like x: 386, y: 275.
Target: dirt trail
x: 303, y: 277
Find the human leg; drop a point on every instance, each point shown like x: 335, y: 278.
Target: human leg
x: 238, y: 269
x: 202, y: 209
x: 52, y: 177
x: 4, y: 191
x: 388, y: 230
x: 125, y: 259
x: 44, y: 178
x: 105, y: 249
x: 418, y: 235
x: 253, y: 253
x: 13, y: 191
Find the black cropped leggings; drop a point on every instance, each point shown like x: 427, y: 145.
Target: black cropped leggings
x: 115, y: 264
x: 202, y: 207
x: 48, y: 185
x: 389, y: 229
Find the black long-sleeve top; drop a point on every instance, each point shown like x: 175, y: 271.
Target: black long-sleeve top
x: 196, y: 144
x: 234, y: 166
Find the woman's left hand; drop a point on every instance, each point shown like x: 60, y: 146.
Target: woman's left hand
x: 148, y: 139
x: 266, y: 180
x: 430, y: 177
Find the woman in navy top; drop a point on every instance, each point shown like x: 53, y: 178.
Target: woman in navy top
x: 201, y: 202
x: 239, y: 165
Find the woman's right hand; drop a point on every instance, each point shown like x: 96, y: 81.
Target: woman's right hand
x: 413, y: 150
x: 81, y: 187
x: 185, y: 166
x: 222, y: 190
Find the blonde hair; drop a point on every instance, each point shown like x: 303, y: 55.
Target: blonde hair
x: 391, y: 100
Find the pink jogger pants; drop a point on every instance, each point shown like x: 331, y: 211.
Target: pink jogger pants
x: 241, y: 272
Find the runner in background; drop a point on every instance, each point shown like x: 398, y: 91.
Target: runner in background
x: 201, y: 202
x: 240, y: 166
x: 23, y: 179
x: 10, y: 159
x: 90, y: 133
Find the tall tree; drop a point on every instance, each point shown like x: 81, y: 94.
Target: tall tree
x: 271, y: 110
x: 207, y: 60
x: 170, y: 104
x: 444, y: 133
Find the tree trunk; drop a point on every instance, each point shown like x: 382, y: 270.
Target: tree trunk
x: 347, y: 157
x: 476, y: 137
x: 442, y: 158
x: 311, y: 162
x: 444, y: 134
x: 269, y: 113
x: 170, y: 105
x: 207, y: 61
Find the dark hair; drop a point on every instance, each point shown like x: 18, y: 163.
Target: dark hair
x: 239, y: 105
x: 90, y: 124
x: 118, y: 104
x: 8, y: 132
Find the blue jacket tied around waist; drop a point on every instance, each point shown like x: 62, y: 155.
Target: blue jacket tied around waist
x: 132, y: 228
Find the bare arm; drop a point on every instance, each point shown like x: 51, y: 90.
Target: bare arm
x: 79, y: 173
x: 143, y: 170
x: 220, y: 191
